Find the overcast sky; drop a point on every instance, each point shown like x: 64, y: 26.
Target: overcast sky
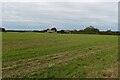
x: 62, y: 15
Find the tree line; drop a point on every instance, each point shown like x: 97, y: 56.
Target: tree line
x: 87, y: 30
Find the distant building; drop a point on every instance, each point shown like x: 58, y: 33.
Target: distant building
x: 52, y: 30
x: 67, y: 31
x: 70, y: 31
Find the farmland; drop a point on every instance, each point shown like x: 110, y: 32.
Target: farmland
x: 44, y: 55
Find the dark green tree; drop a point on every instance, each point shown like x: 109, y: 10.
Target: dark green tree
x: 91, y: 29
x: 62, y: 31
x: 2, y: 29
x: 54, y: 29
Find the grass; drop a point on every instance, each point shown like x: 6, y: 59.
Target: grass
x: 43, y: 55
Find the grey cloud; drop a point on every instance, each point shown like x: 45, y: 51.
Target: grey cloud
x: 62, y: 14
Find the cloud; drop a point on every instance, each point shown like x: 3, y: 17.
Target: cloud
x: 64, y: 15
x: 60, y: 0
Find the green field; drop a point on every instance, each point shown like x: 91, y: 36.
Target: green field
x: 44, y: 55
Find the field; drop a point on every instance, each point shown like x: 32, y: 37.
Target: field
x: 44, y: 55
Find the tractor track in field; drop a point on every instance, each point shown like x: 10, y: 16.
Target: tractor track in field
x: 9, y: 64
x: 24, y: 67
x: 12, y: 64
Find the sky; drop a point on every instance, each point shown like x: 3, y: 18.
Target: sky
x: 59, y: 0
x: 62, y: 15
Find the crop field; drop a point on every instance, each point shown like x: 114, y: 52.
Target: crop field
x: 45, y: 55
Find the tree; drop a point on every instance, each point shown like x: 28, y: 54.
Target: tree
x: 54, y: 29
x: 2, y: 29
x: 108, y: 31
x: 62, y: 31
x: 91, y: 29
